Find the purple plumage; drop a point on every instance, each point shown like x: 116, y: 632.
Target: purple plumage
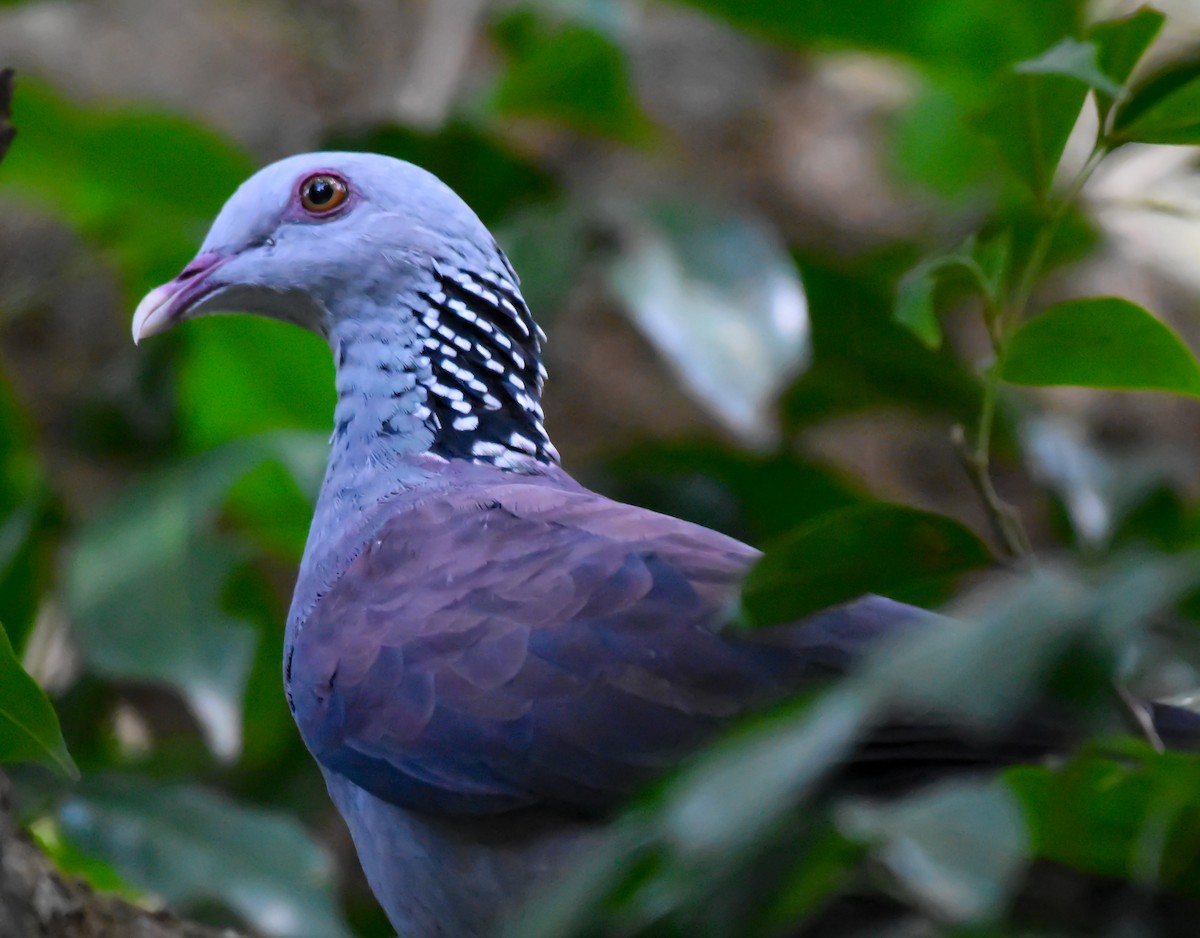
x: 484, y: 657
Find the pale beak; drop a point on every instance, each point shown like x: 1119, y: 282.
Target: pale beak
x: 164, y: 307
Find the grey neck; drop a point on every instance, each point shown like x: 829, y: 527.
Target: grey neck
x: 454, y: 376
x: 380, y: 440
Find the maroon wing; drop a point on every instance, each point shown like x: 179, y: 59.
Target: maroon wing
x: 521, y: 644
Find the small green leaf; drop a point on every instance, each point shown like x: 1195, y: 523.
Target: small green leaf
x: 29, y: 729
x: 914, y: 306
x: 1162, y: 107
x: 709, y: 815
x: 986, y: 264
x: 873, y: 548
x: 958, y: 848
x: 1121, y: 43
x: 187, y: 844
x: 1028, y: 122
x: 1071, y: 58
x: 1106, y: 342
x: 717, y: 294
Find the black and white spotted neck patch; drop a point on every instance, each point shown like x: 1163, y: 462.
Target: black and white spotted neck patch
x: 485, y: 362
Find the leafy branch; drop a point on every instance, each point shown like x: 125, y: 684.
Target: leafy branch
x: 1036, y: 106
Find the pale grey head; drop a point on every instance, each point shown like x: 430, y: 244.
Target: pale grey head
x: 431, y: 337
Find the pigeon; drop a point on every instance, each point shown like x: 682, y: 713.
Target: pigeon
x: 485, y: 658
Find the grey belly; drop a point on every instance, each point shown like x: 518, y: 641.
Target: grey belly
x: 455, y: 878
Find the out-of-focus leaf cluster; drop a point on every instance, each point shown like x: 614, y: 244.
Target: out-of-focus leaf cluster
x: 195, y: 786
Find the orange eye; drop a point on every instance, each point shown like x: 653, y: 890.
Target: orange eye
x: 322, y: 193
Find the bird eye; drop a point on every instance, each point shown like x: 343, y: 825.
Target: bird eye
x: 323, y: 193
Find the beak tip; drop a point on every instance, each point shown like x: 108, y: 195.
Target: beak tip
x: 152, y: 313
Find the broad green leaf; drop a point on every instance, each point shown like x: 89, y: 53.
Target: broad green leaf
x: 709, y: 814
x: 244, y: 375
x: 143, y: 185
x: 1028, y: 121
x: 873, y: 548
x: 934, y: 146
x: 145, y: 581
x: 708, y: 834
x: 1130, y: 813
x: 1163, y: 108
x: 1072, y: 58
x: 748, y: 496
x: 1020, y: 635
x: 72, y: 861
x: 569, y: 73
x: 1122, y: 42
x: 975, y: 37
x: 27, y: 516
x: 1105, y: 342
x: 957, y: 848
x: 190, y: 845
x: 29, y: 729
x: 719, y: 297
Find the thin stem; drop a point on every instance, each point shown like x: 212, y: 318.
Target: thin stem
x: 1002, y: 320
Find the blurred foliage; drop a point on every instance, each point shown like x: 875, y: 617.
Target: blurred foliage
x: 195, y: 787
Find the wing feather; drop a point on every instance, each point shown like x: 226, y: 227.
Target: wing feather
x: 491, y: 650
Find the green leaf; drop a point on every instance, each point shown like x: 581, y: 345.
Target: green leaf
x: 29, y: 729
x: 569, y: 73
x: 1029, y: 120
x: 1161, y: 108
x: 862, y: 358
x: 1072, y: 58
x: 1122, y: 42
x: 141, y: 184
x: 975, y: 37
x: 1132, y: 813
x: 548, y: 243
x: 958, y: 849
x: 187, y: 844
x: 914, y: 305
x: 145, y: 582
x: 709, y: 815
x: 1105, y: 342
x: 989, y: 667
x: 874, y: 548
x: 719, y: 297
x: 28, y: 515
x: 708, y: 837
x: 245, y: 375
x: 753, y: 497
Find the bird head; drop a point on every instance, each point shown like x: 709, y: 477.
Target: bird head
x: 382, y: 258
x: 305, y: 237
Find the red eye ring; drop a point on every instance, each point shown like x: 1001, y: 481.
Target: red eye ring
x: 321, y: 193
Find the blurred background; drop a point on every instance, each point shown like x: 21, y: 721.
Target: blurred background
x: 710, y: 203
